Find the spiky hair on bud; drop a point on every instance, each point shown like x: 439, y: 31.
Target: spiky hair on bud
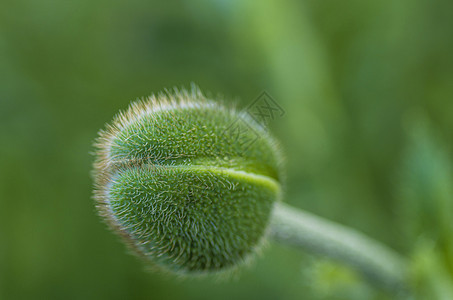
x: 188, y: 183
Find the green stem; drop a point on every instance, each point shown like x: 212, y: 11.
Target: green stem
x: 381, y: 265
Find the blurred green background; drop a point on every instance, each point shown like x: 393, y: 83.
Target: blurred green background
x: 367, y: 87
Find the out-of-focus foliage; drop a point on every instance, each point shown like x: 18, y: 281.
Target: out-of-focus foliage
x: 368, y: 95
x: 426, y: 203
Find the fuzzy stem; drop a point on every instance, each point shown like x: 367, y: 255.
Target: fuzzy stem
x: 381, y: 265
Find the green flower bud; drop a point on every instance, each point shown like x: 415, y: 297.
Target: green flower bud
x: 188, y: 183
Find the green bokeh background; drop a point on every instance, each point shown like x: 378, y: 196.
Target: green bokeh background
x: 367, y: 89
